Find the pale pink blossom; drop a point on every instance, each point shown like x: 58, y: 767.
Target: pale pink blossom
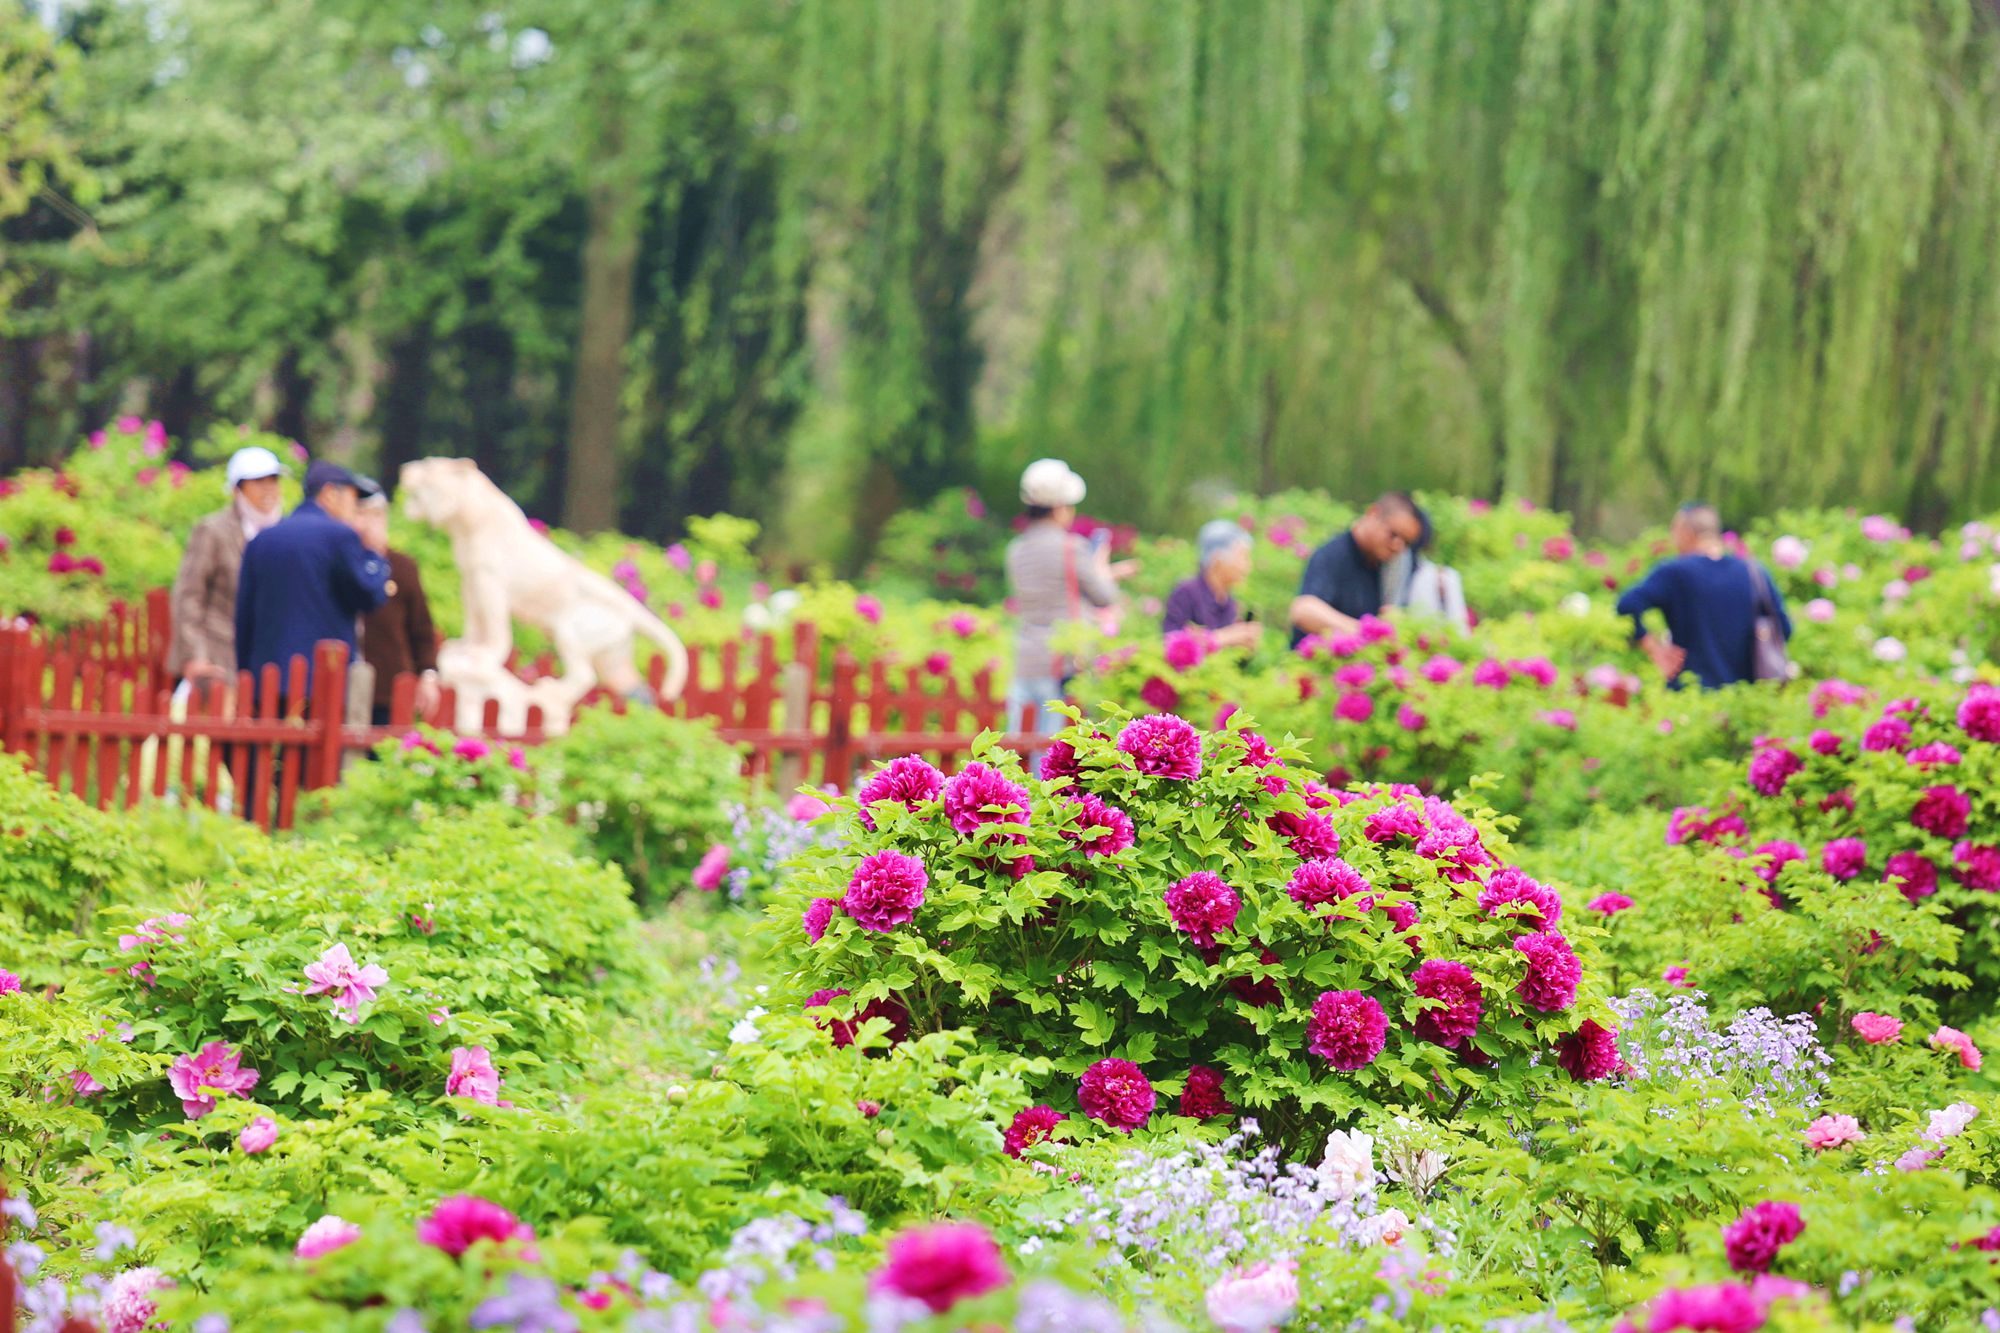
x: 214, y: 1070
x: 350, y: 984
x: 1833, y: 1131
x: 258, y: 1135
x: 1255, y: 1299
x: 473, y: 1075
x: 1951, y: 1039
x: 325, y: 1236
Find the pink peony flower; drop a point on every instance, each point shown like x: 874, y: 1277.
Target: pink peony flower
x: 1677, y: 975
x: 1943, y: 810
x: 1255, y: 992
x: 1320, y: 882
x: 1347, y: 1029
x: 471, y: 748
x: 1392, y: 822
x: 1833, y: 1131
x: 1185, y: 648
x: 1823, y: 741
x: 463, y: 1220
x: 886, y: 890
x: 1355, y: 675
x: 1877, y: 1029
x: 1115, y: 834
x: 83, y: 1085
x: 258, y: 1135
x: 473, y: 1075
x: 1310, y: 835
x: 938, y: 664
x: 1162, y: 745
x: 1058, y: 761
x: 1978, y: 866
x: 350, y: 984
x: 1937, y: 754
x: 1254, y: 1300
x: 1889, y: 733
x: 1727, y: 1307
x: 1951, y: 1039
x: 1354, y: 706
x: 1492, y: 675
x: 1512, y: 894
x: 1589, y: 1053
x: 1553, y: 972
x: 941, y: 1265
x: 155, y: 930
x: 869, y: 608
x: 1788, y: 552
x: 1437, y: 670
x: 1979, y: 713
x: 1201, y: 906
x: 1462, y: 1002
x: 709, y: 871
x: 1563, y: 719
x: 1844, y: 858
x: 1913, y: 873
x: 908, y: 781
x: 1409, y: 719
x: 1159, y: 696
x: 818, y: 914
x: 805, y: 806
x: 964, y: 624
x: 1202, y: 1098
x: 1610, y: 904
x: 1116, y: 1093
x: 1753, y: 1240
x: 1771, y: 768
x: 979, y: 794
x: 1031, y: 1125
x: 214, y: 1070
x: 9, y: 983
x: 677, y: 556
x: 1774, y: 856
x: 128, y: 1304
x: 325, y: 1236
x: 416, y: 740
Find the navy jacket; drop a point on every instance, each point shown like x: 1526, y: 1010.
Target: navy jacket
x: 304, y: 579
x: 1711, y: 610
x: 1342, y: 577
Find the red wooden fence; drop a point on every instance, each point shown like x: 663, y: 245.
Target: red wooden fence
x: 93, y: 710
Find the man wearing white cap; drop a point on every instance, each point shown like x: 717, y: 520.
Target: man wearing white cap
x: 204, y: 597
x: 1051, y: 574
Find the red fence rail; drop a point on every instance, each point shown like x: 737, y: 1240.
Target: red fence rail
x: 94, y: 710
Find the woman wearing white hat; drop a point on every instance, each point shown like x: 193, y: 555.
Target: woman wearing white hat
x: 1052, y: 574
x: 204, y: 597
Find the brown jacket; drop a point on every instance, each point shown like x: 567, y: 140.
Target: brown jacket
x: 204, y: 596
x: 398, y: 636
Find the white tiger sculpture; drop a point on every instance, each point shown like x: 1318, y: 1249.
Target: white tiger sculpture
x: 508, y: 569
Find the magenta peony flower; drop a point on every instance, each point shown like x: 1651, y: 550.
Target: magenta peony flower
x: 1833, y: 1131
x: 818, y: 914
x: 463, y: 1220
x: 128, y: 1304
x: 416, y: 740
x: 1491, y: 674
x: 214, y: 1070
x: 805, y: 806
x: 1463, y: 1001
x: 1202, y: 905
x: 1185, y: 648
x: 1409, y: 719
x: 1677, y: 976
x: 1116, y: 1093
x: 869, y: 608
x: 1202, y: 1098
x: 1452, y: 841
x: 1116, y: 831
x: 1913, y: 873
x: 1978, y: 866
x: 844, y: 1030
x: 908, y: 781
x: 979, y: 794
x: 325, y: 1236
x: 1889, y: 733
x: 1823, y: 741
x: 1727, y: 1307
x: 1979, y: 713
x: 258, y: 1135
x: 941, y: 1265
x: 1354, y: 706
x: 1943, y: 810
x: 1031, y: 1125
x: 1255, y: 992
x: 1311, y: 836
x: 1158, y: 695
x: 351, y: 985
x: 1347, y: 1029
x: 1775, y: 856
x: 1437, y: 670
x: 473, y: 1075
x: 1844, y: 858
x: 886, y: 890
x: 471, y: 748
x: 1323, y: 881
x: 1877, y: 1029
x: 1254, y: 1300
x: 1392, y: 822
x: 709, y: 871
x: 1163, y: 746
x: 1937, y: 754
x: 9, y: 983
x: 1771, y: 768
x: 1589, y: 1053
x: 1511, y: 893
x: 1058, y: 761
x: 1951, y: 1039
x: 1553, y: 972
x: 1753, y: 1240
x: 1610, y: 904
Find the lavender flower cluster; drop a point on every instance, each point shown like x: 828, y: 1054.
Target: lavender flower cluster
x: 1759, y: 1059
x: 769, y: 837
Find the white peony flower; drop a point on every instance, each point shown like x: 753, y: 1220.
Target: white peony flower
x: 1890, y: 649
x: 1788, y: 552
x: 1348, y: 1168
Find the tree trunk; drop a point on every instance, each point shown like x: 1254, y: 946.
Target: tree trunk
x: 610, y: 258
x: 406, y: 400
x: 178, y: 406
x: 20, y: 372
x: 294, y: 399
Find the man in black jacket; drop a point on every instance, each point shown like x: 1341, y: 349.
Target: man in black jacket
x: 308, y: 577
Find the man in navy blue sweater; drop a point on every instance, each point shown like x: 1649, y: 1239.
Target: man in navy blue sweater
x: 1709, y: 599
x: 308, y: 577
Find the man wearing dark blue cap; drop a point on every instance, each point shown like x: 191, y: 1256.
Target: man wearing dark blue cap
x: 308, y: 577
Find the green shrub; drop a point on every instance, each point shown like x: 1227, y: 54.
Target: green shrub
x: 414, y: 779
x: 59, y: 861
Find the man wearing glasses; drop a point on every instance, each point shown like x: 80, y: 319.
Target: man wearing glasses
x: 1343, y: 579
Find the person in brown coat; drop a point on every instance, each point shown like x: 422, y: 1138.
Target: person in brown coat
x: 398, y: 636
x: 204, y: 595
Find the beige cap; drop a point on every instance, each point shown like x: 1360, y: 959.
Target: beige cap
x: 1050, y: 483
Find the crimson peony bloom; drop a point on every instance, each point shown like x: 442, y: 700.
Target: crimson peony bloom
x: 1753, y: 1240
x: 908, y: 781
x: 1258, y: 994
x: 1310, y: 835
x: 941, y: 1265
x: 818, y: 915
x: 1463, y: 1001
x: 1844, y: 858
x: 9, y: 983
x: 1058, y: 761
x: 1776, y: 854
x: 1913, y: 873
x: 1978, y: 866
x: 1159, y: 696
x: 1943, y: 810
x: 471, y: 749
x: 1031, y: 1125
x: 1202, y: 905
x: 844, y: 1030
x: 1321, y: 882
x: 463, y: 1220
x: 1772, y: 768
x: 1116, y: 1093
x: 1589, y: 1053
x: 1202, y: 1098
x: 214, y: 1070
x: 1512, y: 893
x: 1553, y: 972
x: 1347, y: 1029
x: 1163, y: 746
x: 1184, y: 649
x: 979, y: 794
x: 1116, y: 831
x: 886, y: 890
x: 1492, y: 675
x: 1979, y: 713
